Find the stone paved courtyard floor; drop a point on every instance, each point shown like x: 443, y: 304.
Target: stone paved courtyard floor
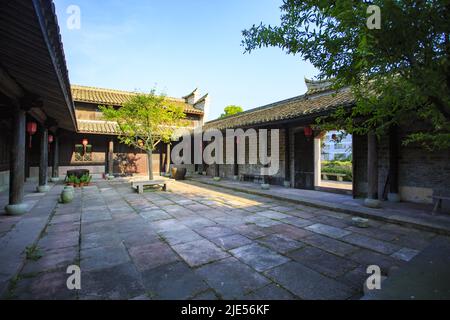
x: 201, y: 242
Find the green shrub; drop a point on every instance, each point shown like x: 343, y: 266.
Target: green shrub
x: 342, y: 167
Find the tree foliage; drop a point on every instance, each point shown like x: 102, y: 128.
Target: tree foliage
x: 399, y: 74
x: 146, y: 120
x: 231, y: 110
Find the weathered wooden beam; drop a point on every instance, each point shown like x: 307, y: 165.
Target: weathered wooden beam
x: 9, y: 87
x: 17, y: 168
x: 43, y: 163
x: 372, y: 172
x: 111, y: 157
x: 393, y: 194
x: 168, y: 159
x: 287, y: 156
x: 55, y: 157
x: 235, y: 153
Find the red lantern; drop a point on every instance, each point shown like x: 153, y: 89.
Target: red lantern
x: 50, y: 138
x: 31, y: 130
x: 308, y: 131
x: 85, y: 142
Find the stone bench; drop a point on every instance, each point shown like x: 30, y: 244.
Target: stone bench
x: 339, y: 176
x: 139, y: 185
x: 438, y: 204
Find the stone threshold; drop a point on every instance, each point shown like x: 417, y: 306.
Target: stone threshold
x: 420, y: 222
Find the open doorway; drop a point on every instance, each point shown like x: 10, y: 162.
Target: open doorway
x: 333, y: 161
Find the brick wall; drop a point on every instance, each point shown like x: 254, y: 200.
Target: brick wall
x: 421, y: 173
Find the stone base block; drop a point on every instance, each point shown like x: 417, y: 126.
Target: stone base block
x: 43, y: 189
x: 16, y: 209
x: 393, y: 197
x: 372, y: 203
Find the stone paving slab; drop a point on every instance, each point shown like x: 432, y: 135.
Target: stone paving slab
x: 176, y: 282
x: 331, y: 245
x: 103, y: 257
x: 232, y: 279
x: 121, y: 281
x: 307, y: 283
x: 258, y: 257
x: 323, y: 262
x: 327, y: 230
x: 280, y: 243
x: 372, y: 244
x: 231, y: 241
x: 152, y: 255
x: 199, y: 252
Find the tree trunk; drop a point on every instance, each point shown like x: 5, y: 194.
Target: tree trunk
x: 150, y: 164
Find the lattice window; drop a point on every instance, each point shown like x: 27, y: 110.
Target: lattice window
x: 83, y: 155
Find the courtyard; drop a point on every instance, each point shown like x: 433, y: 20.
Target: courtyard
x: 193, y: 242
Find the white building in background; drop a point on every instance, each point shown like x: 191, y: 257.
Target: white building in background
x: 333, y: 149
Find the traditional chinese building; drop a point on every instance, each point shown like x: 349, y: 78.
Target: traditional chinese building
x: 382, y: 168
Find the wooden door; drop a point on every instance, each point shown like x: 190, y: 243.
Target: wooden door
x: 303, y: 161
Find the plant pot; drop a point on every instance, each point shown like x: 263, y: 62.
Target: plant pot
x: 81, y: 184
x: 179, y: 173
x: 70, y: 184
x: 67, y: 196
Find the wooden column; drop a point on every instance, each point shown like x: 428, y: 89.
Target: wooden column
x: 55, y: 157
x: 393, y: 194
x: 235, y: 160
x: 372, y: 172
x: 217, y: 170
x: 168, y: 159
x: 287, y: 158
x: 17, y: 168
x: 43, y: 163
x: 111, y: 157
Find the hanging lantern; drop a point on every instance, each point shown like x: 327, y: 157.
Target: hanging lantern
x: 308, y: 132
x: 31, y: 130
x: 50, y: 141
x: 84, y: 142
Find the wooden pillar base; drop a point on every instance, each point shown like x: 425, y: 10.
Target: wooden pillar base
x: 372, y: 203
x: 43, y: 189
x: 393, y: 197
x: 16, y: 209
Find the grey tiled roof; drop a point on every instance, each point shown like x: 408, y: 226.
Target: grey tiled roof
x: 297, y: 107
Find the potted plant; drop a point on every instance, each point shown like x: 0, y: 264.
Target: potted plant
x: 76, y: 182
x: 88, y: 180
x: 71, y: 180
x: 83, y: 180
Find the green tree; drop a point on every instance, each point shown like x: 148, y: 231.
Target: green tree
x: 399, y: 74
x: 144, y: 121
x: 231, y: 110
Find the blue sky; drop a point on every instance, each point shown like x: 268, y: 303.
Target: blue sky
x: 180, y: 45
